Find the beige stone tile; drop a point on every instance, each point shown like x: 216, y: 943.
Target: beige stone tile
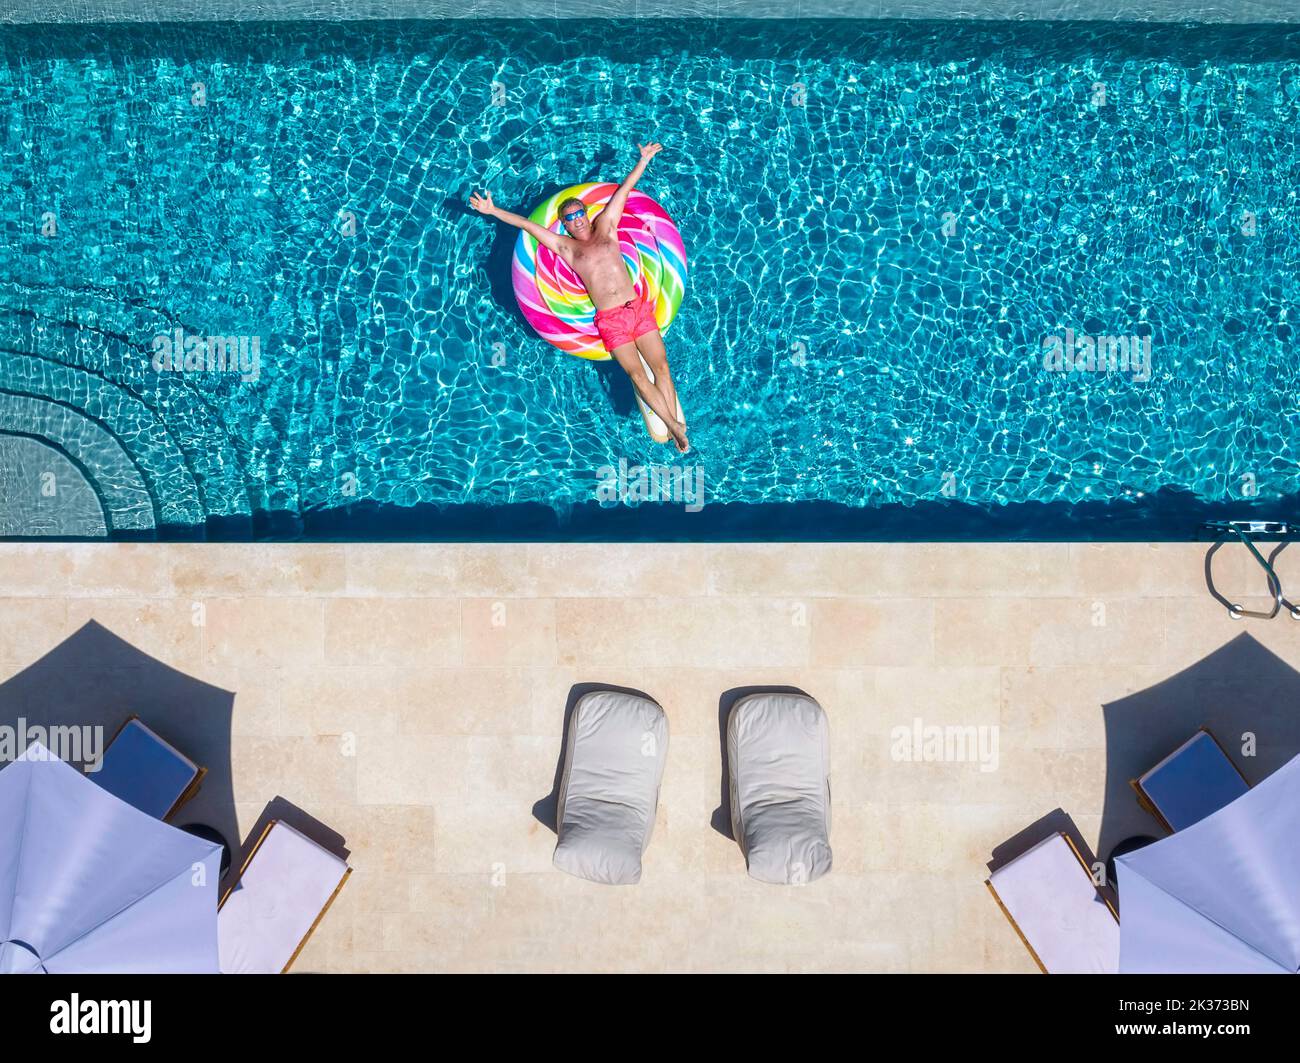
x: 1005, y: 570
x: 855, y: 632
x: 553, y: 687
x: 494, y: 830
x: 32, y: 627
x: 399, y: 632
x: 40, y: 570
x: 444, y: 909
x: 101, y: 570
x: 1196, y: 627
x: 256, y: 710
x: 1286, y: 563
x: 1044, y: 779
x: 902, y: 769
x: 849, y: 696
x: 937, y: 695
x: 455, y: 701
x: 1097, y: 631
x: 860, y: 836
x: 395, y: 840
x: 499, y: 632
x: 511, y: 841
x: 824, y: 570
x: 701, y: 632
x: 223, y: 570
x: 370, y: 894
x: 1149, y: 570
x: 1280, y: 637
x: 337, y: 700
x: 692, y: 696
x: 1062, y: 707
x: 412, y: 770
x: 689, y: 800
x: 686, y: 842
x: 437, y: 570
x: 600, y: 570
x: 982, y: 631
x: 164, y: 628
x: 307, y: 772
x: 936, y: 945
x: 928, y: 837
x: 243, y: 633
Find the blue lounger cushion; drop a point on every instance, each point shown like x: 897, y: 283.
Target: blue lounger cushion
x: 145, y: 771
x: 1195, y: 780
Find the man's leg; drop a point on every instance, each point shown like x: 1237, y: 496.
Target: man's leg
x: 651, y: 346
x: 627, y: 357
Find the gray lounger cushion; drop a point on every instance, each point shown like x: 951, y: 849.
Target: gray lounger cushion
x: 778, y: 759
x: 609, y: 789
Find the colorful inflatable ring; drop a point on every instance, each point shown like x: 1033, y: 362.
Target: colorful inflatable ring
x: 554, y: 300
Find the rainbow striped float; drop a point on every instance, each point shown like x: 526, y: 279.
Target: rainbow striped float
x: 554, y: 300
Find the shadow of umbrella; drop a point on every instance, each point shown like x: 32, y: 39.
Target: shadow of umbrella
x: 1240, y: 690
x: 96, y: 679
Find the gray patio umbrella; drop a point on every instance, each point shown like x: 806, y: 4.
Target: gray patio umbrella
x: 1220, y: 896
x: 89, y: 884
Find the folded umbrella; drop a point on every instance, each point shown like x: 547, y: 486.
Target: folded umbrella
x: 89, y: 884
x: 1220, y: 896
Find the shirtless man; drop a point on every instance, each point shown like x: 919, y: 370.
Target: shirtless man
x: 625, y: 321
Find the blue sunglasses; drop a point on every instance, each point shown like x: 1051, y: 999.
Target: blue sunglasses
x: 573, y: 214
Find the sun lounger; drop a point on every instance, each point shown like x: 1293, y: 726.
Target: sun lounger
x: 1050, y: 898
x: 609, y: 789
x: 147, y: 772
x: 1195, y: 780
x: 284, y: 889
x: 778, y: 761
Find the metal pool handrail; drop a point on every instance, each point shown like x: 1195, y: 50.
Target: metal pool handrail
x: 1243, y: 530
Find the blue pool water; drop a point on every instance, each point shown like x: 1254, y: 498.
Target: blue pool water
x: 884, y: 223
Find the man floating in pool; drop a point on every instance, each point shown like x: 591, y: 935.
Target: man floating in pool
x: 625, y: 321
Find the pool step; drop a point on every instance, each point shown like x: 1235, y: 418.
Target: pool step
x: 101, y: 461
x: 193, y: 470
x: 44, y: 494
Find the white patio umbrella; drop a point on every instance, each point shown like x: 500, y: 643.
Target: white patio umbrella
x: 1220, y: 896
x: 89, y: 884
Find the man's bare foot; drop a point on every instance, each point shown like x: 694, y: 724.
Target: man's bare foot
x: 678, y: 432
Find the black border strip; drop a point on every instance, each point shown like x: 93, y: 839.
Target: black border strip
x: 1169, y: 515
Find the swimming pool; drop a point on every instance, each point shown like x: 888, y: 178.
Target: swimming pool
x: 902, y: 239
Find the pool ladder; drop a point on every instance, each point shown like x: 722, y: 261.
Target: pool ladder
x: 1243, y: 530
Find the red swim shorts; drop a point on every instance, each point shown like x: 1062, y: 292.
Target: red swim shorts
x: 623, y: 324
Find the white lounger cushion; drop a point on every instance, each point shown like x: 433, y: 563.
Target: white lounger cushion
x: 1051, y: 897
x: 778, y: 754
x: 609, y: 790
x: 276, y: 902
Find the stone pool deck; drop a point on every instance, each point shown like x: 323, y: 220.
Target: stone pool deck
x: 410, y: 697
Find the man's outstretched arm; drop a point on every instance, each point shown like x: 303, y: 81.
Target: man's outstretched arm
x: 484, y: 205
x: 614, y: 210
